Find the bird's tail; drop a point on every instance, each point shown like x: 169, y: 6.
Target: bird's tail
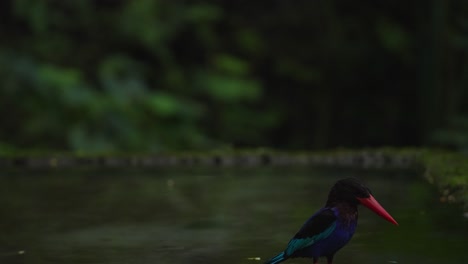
x: 277, y: 259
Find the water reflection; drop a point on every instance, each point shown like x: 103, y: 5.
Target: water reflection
x: 212, y: 216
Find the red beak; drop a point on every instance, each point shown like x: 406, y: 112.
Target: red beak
x: 372, y: 204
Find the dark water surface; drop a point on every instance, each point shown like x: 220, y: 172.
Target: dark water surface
x: 216, y: 215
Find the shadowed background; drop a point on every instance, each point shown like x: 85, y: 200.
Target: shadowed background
x: 149, y: 75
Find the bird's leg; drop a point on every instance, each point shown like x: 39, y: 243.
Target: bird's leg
x: 315, y: 260
x: 330, y: 259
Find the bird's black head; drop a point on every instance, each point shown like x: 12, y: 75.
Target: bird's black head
x: 348, y: 190
x: 352, y: 192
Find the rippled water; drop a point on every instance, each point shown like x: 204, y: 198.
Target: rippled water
x: 213, y: 215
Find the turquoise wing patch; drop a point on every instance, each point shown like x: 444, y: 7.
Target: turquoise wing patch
x: 300, y: 243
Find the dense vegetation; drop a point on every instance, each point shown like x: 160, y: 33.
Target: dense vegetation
x: 152, y: 75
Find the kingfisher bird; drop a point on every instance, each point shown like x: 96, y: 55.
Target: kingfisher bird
x: 329, y: 229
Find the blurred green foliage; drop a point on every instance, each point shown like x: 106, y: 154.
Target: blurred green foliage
x: 454, y: 136
x: 153, y: 75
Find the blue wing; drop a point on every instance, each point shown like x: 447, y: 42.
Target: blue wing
x: 320, y: 226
